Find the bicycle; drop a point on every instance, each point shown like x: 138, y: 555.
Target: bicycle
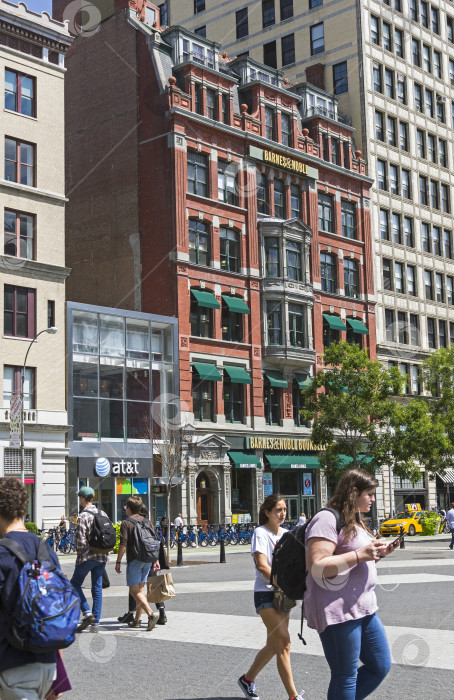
x: 66, y: 544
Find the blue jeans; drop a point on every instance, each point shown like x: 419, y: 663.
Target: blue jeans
x: 452, y: 537
x: 81, y: 572
x: 345, y: 645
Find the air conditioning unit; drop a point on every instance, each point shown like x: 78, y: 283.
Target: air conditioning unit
x: 440, y: 98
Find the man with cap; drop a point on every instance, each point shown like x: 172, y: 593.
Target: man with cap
x: 88, y: 562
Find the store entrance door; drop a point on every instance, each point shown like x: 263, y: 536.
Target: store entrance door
x: 292, y: 507
x: 203, y: 496
x: 308, y: 506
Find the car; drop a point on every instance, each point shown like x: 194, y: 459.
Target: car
x: 409, y: 520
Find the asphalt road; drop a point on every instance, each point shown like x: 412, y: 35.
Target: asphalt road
x: 213, y: 633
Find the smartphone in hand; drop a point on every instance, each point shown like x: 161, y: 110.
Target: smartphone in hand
x: 394, y: 544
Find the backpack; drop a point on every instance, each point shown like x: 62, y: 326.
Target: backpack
x: 288, y: 567
x: 145, y: 546
x: 45, y: 614
x: 103, y: 537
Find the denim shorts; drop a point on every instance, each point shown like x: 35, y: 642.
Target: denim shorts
x: 137, y: 572
x: 262, y: 600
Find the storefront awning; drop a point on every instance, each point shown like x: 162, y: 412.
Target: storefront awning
x: 335, y: 322
x: 287, y: 461
x: 346, y: 460
x: 242, y: 460
x: 236, y: 305
x: 206, y: 299
x: 304, y: 381
x: 447, y: 477
x: 276, y: 379
x: 238, y: 375
x: 357, y: 326
x: 207, y: 371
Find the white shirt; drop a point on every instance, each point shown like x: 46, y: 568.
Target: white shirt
x: 264, y: 541
x: 302, y: 520
x: 450, y: 518
x: 178, y: 522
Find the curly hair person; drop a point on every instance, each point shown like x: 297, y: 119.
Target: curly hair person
x: 13, y: 499
x: 351, y: 484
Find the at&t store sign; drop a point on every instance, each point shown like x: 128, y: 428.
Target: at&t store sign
x: 114, y: 467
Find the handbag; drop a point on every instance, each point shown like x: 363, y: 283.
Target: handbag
x: 280, y: 601
x: 160, y: 588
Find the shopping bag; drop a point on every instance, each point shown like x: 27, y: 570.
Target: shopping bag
x: 160, y: 588
x: 61, y: 683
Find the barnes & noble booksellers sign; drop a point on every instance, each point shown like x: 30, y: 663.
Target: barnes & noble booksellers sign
x: 270, y: 443
x: 283, y: 161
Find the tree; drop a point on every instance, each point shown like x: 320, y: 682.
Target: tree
x: 360, y: 423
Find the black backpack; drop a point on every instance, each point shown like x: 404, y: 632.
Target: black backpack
x: 288, y: 567
x: 145, y: 546
x: 103, y: 536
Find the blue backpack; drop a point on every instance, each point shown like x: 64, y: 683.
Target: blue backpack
x: 45, y: 615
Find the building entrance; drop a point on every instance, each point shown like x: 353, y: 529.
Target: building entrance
x: 204, y: 501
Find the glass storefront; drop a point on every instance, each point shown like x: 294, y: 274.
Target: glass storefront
x: 111, y: 494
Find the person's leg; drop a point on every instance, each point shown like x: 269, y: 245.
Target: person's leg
x: 131, y: 603
x: 141, y: 599
x: 341, y: 644
x: 452, y: 538
x: 97, y: 571
x: 79, y: 576
x: 375, y: 656
x: 278, y: 644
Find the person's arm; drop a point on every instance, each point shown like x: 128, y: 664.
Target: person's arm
x: 121, y: 551
x: 261, y: 562
x: 124, y: 534
x: 81, y: 533
x: 323, y: 563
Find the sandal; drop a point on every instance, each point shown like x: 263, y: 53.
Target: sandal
x: 135, y: 623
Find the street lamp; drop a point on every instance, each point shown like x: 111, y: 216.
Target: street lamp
x: 52, y: 330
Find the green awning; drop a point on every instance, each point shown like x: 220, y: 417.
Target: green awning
x: 243, y: 460
x: 238, y: 375
x: 346, y: 460
x: 286, y: 461
x: 304, y: 381
x: 207, y: 371
x: 335, y: 322
x: 206, y: 299
x: 276, y: 379
x: 236, y: 305
x: 357, y: 326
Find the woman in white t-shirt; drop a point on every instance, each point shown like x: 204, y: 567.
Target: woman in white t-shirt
x: 271, y: 517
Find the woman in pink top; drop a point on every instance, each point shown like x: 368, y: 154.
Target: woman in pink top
x: 340, y: 601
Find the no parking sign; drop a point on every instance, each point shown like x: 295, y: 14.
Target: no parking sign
x: 307, y: 484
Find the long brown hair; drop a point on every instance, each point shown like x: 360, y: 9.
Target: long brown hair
x: 268, y: 504
x: 344, y: 498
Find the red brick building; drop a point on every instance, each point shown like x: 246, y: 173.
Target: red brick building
x: 210, y: 189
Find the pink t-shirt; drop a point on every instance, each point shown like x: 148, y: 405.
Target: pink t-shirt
x: 348, y: 596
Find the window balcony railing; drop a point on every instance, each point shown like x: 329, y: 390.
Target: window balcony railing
x: 207, y: 60
x: 318, y: 111
x: 30, y: 415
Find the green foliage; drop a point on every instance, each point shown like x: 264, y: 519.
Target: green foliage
x: 355, y: 414
x: 117, y: 531
x: 430, y: 522
x: 31, y: 527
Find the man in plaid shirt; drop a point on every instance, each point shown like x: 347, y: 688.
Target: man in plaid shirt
x: 88, y: 562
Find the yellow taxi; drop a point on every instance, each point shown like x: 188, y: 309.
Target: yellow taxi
x: 408, y: 519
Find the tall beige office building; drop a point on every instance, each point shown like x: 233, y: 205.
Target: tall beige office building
x: 32, y: 253
x: 391, y: 64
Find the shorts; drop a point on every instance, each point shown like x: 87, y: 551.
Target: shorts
x: 137, y: 572
x: 262, y: 600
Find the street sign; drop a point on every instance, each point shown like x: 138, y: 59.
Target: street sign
x: 15, y: 420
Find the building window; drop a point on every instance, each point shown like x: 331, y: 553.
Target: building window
x: 381, y: 175
x: 19, y: 93
x: 317, y: 39
x: 19, y: 312
x: 270, y: 54
x: 295, y: 202
x: 233, y: 401
x: 202, y: 399
x: 229, y: 250
x: 200, y: 319
x: 424, y: 10
x: 268, y: 14
x: 447, y: 243
x: 201, y: 31
x: 262, y: 194
x: 414, y: 330
x: 271, y: 400
x: 269, y: 124
x: 199, y: 6
x: 387, y: 275
x: 387, y: 40
x: 416, y: 52
x: 286, y: 9
x: 51, y: 314
x: 414, y: 10
x: 434, y: 195
x: 374, y: 30
x: 325, y: 213
x: 384, y: 225
x: 288, y: 49
x: 197, y: 100
x: 351, y: 278
x: 393, y: 179
x: 212, y: 112
x: 449, y: 290
x: 421, y: 143
x: 405, y: 184
x: 274, y: 322
x: 439, y: 288
x: 348, y: 220
x: 399, y: 278
x: 428, y: 285
x: 442, y: 340
x: 340, y: 78
x: 436, y: 240
x: 232, y: 324
x: 389, y: 84
x: 198, y: 243
x: 423, y: 190
x: 391, y: 131
x: 389, y: 325
x: 377, y: 77
x: 403, y: 136
x: 197, y: 174
x: 19, y: 162
x: 431, y: 338
x: 401, y: 89
x: 225, y: 101
x: 293, y: 252
x: 18, y: 234
x: 429, y: 103
x: 286, y: 129
x: 408, y: 231
x: 227, y: 190
x: 298, y: 405
x: 242, y: 26
x: 411, y: 281
x: 437, y: 64
x: 425, y: 235
x: 402, y: 331
x: 296, y: 325
x: 442, y: 153
x: 330, y: 335
x: 435, y: 17
x: 272, y: 257
x: 445, y: 199
x: 328, y: 273
x: 12, y: 385
x: 315, y: 3
x: 396, y: 227
x: 418, y: 97
x: 398, y: 43
x: 432, y: 147
x: 335, y: 151
x: 279, y: 202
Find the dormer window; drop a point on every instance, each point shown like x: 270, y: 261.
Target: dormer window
x: 150, y: 15
x: 192, y: 51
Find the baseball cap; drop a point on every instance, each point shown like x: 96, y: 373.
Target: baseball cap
x: 85, y: 491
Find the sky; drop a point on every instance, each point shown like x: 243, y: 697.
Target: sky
x: 37, y: 5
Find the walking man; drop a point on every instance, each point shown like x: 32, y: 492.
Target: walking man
x: 88, y: 562
x: 450, y: 520
x: 136, y: 571
x: 178, y: 522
